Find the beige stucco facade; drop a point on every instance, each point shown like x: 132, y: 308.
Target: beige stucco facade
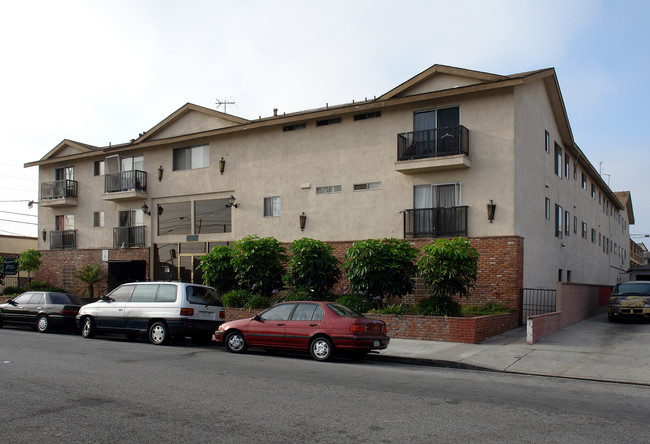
x: 507, y: 163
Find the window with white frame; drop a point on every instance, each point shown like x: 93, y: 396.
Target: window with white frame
x: 328, y: 189
x: 547, y: 141
x: 558, y: 160
x: 567, y: 223
x: 98, y: 219
x: 367, y: 186
x: 272, y: 206
x: 191, y: 158
x: 436, y: 196
x: 64, y: 222
x: 558, y: 221
x: 547, y: 208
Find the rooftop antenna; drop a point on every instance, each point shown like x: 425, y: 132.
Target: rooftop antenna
x: 225, y: 104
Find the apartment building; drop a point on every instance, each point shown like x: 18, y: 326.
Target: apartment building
x: 450, y: 152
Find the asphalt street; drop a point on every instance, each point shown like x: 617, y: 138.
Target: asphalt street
x: 63, y: 388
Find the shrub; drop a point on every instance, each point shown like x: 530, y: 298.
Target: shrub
x: 356, y: 302
x: 393, y: 309
x: 449, y: 267
x: 236, y: 298
x: 217, y: 269
x: 305, y: 295
x: 312, y: 267
x: 259, y: 264
x: 44, y: 286
x: 8, y: 291
x: 438, y: 306
x: 257, y: 301
x: 485, y: 309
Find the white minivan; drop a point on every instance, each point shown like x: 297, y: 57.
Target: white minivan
x: 160, y: 309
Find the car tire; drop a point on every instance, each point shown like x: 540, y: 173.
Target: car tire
x: 158, y: 333
x: 235, y: 342
x: 321, y: 349
x: 42, y: 324
x: 611, y: 317
x: 88, y: 328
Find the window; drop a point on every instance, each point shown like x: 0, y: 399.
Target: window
x: 174, y: 218
x: 328, y: 121
x: 436, y: 196
x: 547, y: 206
x: 559, y: 275
x: 600, y: 197
x: 575, y: 171
x: 64, y: 173
x: 98, y: 219
x: 278, y: 313
x: 365, y: 116
x: 328, y: 189
x: 599, y: 239
x: 593, y: 235
x: 558, y: 221
x: 593, y: 191
x: 122, y: 294
x: 272, y: 206
x: 367, y: 186
x: 99, y: 167
x: 131, y: 218
x: 567, y: 162
x: 67, y: 276
x: 144, y: 293
x: 567, y: 223
x: 64, y: 222
x: 568, y: 275
x: 547, y: 141
x: 131, y: 163
x: 584, y: 181
x: 295, y: 126
x: 212, y: 216
x: 575, y: 224
x: 584, y: 230
x: 191, y: 158
x: 558, y: 160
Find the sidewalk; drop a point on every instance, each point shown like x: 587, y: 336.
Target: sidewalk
x: 594, y: 349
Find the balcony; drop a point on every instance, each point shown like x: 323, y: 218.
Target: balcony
x: 60, y: 193
x: 128, y: 237
x: 435, y: 222
x: 63, y: 240
x: 126, y: 185
x: 431, y: 150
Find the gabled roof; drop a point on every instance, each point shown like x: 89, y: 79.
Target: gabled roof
x: 168, y: 122
x: 626, y: 200
x: 68, y: 145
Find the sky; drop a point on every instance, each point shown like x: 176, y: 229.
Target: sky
x: 104, y: 71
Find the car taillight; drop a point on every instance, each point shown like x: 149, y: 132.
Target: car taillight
x: 222, y: 314
x: 187, y: 312
x: 67, y: 311
x: 358, y: 328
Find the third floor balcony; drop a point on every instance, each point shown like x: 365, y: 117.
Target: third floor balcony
x: 125, y: 185
x: 59, y: 193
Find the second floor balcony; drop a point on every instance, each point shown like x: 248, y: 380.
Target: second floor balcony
x: 59, y: 193
x: 128, y: 237
x: 435, y: 149
x: 125, y: 185
x: 63, y: 239
x: 435, y: 222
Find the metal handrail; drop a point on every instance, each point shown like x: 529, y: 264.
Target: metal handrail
x: 437, y: 142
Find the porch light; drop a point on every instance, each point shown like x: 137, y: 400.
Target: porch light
x: 231, y: 202
x: 160, y: 173
x: 123, y: 246
x: 222, y: 165
x: 303, y: 220
x: 145, y: 209
x: 44, y: 234
x: 491, y: 208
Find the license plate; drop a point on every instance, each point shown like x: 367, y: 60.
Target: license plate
x: 207, y: 315
x: 377, y: 344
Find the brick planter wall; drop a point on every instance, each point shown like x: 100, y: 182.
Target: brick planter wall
x: 471, y: 330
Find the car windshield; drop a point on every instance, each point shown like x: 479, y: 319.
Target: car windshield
x: 62, y: 298
x: 631, y: 289
x: 344, y: 311
x: 202, y: 295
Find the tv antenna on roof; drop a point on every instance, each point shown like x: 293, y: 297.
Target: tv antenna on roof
x: 225, y: 104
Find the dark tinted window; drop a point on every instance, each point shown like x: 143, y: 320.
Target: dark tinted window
x: 344, y: 311
x: 122, y: 294
x: 59, y: 298
x: 202, y: 295
x: 632, y: 288
x: 278, y: 313
x: 144, y: 293
x: 166, y: 293
x: 37, y: 299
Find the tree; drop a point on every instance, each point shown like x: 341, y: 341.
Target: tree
x: 259, y: 264
x: 217, y: 269
x: 312, y: 267
x: 29, y: 261
x: 90, y: 275
x: 379, y: 268
x: 2, y: 271
x: 448, y: 267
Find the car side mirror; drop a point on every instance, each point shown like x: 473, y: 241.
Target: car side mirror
x: 107, y: 299
x: 11, y: 302
x: 257, y: 317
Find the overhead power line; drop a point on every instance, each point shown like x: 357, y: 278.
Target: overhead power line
x: 18, y: 222
x: 19, y: 214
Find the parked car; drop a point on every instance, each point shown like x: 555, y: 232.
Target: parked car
x: 160, y: 309
x: 630, y: 300
x: 322, y: 328
x: 41, y: 310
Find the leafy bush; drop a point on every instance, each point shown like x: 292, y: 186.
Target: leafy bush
x: 305, y: 295
x: 236, y: 298
x: 377, y: 267
x: 259, y: 264
x: 8, y: 291
x: 485, y: 309
x: 312, y: 267
x: 356, y: 302
x: 449, y: 267
x: 44, y: 286
x: 257, y: 301
x: 217, y: 269
x: 393, y: 309
x: 439, y: 306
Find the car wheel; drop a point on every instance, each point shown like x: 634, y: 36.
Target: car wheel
x: 132, y: 335
x: 321, y: 349
x: 235, y: 342
x: 611, y: 317
x: 88, y: 328
x: 159, y: 333
x: 42, y: 324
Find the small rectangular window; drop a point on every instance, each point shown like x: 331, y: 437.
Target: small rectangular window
x: 567, y: 223
x: 567, y: 162
x: 272, y: 206
x: 547, y: 141
x: 67, y: 276
x: 367, y: 186
x: 329, y: 189
x: 365, y: 116
x: 584, y: 230
x: 191, y: 158
x: 547, y: 208
x: 575, y: 171
x: 593, y: 191
x: 558, y: 221
x: 575, y: 225
x: 593, y: 235
x: 295, y: 126
x: 98, y: 219
x: 559, y: 275
x: 568, y: 275
x: 99, y: 168
x: 558, y: 160
x: 584, y: 181
x: 328, y: 121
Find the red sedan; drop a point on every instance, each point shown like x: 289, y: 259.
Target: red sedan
x: 323, y: 328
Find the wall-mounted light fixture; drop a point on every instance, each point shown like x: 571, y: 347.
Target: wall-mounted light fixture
x: 160, y: 210
x: 160, y: 173
x: 231, y: 202
x: 44, y: 234
x: 303, y: 220
x: 123, y: 246
x: 222, y: 165
x: 491, y: 209
x: 145, y: 209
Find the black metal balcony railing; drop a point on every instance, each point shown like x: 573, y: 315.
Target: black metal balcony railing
x: 128, y: 236
x: 125, y: 181
x: 435, y: 222
x: 433, y: 143
x: 63, y: 240
x: 59, y: 189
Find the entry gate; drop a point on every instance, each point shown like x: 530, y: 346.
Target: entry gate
x: 536, y: 301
